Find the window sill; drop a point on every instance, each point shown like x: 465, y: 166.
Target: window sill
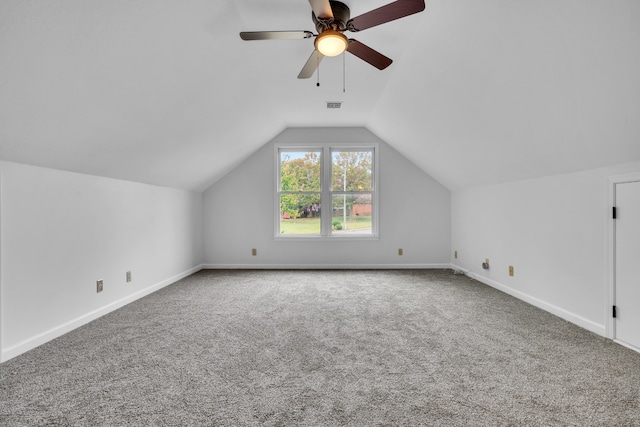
x: 325, y: 238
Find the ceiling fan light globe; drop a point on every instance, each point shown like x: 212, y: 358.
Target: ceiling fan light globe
x: 331, y: 43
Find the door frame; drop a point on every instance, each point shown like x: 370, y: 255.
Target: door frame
x: 613, y: 180
x: 1, y: 298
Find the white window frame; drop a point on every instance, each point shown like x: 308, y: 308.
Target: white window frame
x: 326, y: 193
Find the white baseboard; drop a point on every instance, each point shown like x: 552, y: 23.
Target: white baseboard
x: 60, y: 330
x: 587, y: 324
x: 629, y: 346
x: 325, y: 266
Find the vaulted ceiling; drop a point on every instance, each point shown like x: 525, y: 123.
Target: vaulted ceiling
x: 165, y: 92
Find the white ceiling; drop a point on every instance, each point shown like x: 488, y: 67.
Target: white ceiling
x: 165, y: 92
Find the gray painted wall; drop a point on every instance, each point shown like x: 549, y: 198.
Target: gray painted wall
x: 414, y: 214
x: 555, y: 231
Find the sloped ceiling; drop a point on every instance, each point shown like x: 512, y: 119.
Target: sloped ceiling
x: 165, y: 92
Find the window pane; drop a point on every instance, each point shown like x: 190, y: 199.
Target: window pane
x: 299, y: 214
x: 351, y: 171
x: 351, y: 214
x: 300, y: 171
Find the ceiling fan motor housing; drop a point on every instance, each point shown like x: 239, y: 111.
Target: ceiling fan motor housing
x: 341, y: 15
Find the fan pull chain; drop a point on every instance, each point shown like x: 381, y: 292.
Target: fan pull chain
x: 318, y: 70
x: 344, y: 72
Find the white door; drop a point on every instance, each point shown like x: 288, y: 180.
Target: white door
x: 627, y: 263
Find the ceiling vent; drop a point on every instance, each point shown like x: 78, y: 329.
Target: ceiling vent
x: 334, y: 104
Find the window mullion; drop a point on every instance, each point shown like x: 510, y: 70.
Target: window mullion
x: 326, y: 215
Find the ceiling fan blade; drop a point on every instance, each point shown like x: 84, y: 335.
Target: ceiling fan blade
x: 322, y: 9
x: 275, y: 35
x: 369, y: 55
x: 391, y: 12
x: 311, y: 66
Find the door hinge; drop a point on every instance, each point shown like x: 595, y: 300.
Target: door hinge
x: 614, y: 212
x: 614, y: 311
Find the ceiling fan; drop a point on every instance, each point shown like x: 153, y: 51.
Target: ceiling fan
x: 332, y: 19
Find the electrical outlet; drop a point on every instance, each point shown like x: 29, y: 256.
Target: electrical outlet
x: 511, y: 270
x: 400, y: 251
x: 99, y: 286
x: 128, y: 276
x: 455, y: 254
x: 254, y: 252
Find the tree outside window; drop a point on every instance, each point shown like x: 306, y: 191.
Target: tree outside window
x: 300, y: 192
x: 351, y: 189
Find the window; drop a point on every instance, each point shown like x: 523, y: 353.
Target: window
x: 300, y: 192
x: 326, y: 191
